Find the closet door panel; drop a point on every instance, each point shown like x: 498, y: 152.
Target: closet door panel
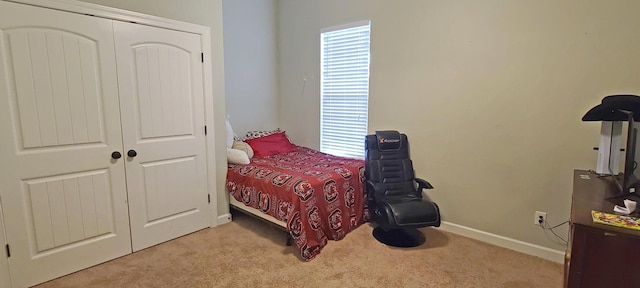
x: 5, y: 277
x: 63, y: 196
x: 162, y: 103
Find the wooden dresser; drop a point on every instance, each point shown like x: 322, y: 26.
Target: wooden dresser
x: 599, y: 255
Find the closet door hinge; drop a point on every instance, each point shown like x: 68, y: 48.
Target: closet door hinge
x: 8, y: 250
x: 208, y: 199
x: 202, y: 57
x: 205, y: 129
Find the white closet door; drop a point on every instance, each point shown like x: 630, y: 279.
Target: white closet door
x: 162, y: 105
x: 5, y: 277
x: 63, y: 196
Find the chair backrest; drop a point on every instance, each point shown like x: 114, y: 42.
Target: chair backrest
x: 388, y: 169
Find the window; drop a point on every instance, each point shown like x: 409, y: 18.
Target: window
x: 344, y: 89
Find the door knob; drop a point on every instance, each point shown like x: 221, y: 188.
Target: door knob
x: 116, y: 155
x: 132, y: 153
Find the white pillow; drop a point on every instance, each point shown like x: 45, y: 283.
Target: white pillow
x: 235, y: 156
x: 229, y: 134
x: 244, y: 147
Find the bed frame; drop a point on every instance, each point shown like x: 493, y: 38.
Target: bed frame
x: 240, y: 207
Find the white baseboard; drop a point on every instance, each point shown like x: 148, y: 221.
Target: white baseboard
x: 224, y: 218
x: 509, y: 243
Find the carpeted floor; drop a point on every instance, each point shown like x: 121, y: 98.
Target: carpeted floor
x: 250, y: 253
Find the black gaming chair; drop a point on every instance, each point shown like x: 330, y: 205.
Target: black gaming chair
x: 394, y: 194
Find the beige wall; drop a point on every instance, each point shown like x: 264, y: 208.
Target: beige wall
x: 206, y: 13
x: 490, y: 94
x: 250, y: 64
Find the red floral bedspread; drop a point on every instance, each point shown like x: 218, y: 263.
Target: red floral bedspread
x: 319, y: 196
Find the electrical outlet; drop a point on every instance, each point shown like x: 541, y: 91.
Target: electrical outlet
x: 540, y: 218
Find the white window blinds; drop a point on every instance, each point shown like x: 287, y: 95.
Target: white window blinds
x: 344, y: 89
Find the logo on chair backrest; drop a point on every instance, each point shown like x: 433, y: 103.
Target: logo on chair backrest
x: 383, y: 140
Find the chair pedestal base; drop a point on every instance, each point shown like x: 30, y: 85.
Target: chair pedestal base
x: 399, y: 237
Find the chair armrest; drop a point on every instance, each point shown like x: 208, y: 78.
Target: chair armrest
x: 369, y: 190
x: 369, y: 185
x: 423, y: 184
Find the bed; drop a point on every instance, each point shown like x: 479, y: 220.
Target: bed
x: 315, y: 196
